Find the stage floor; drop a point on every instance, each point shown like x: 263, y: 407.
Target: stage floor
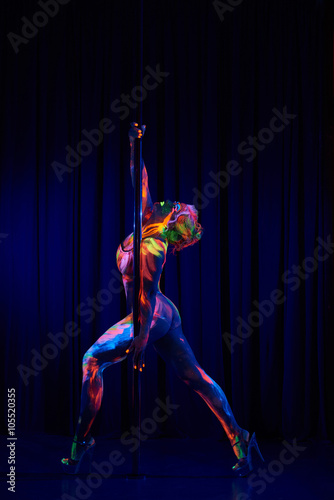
x: 174, y: 469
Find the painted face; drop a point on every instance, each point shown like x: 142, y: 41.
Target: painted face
x: 185, y: 218
x: 175, y: 210
x: 179, y: 219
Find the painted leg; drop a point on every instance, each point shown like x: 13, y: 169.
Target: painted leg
x: 176, y: 351
x: 108, y: 349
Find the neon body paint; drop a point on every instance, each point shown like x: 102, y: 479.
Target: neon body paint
x: 160, y: 323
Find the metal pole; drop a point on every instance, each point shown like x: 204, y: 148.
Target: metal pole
x: 136, y: 379
x: 137, y: 234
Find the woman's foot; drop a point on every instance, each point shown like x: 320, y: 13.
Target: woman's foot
x: 81, y: 452
x: 80, y: 447
x: 240, y: 448
x: 240, y: 444
x: 243, y: 446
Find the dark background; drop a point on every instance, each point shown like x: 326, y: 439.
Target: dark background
x: 59, y: 239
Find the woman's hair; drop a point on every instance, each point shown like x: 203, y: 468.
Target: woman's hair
x: 185, y: 230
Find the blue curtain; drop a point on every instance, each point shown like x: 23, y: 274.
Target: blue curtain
x: 238, y: 105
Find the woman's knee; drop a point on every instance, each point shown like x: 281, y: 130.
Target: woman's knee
x: 188, y: 374
x: 195, y: 377
x: 90, y: 362
x: 89, y: 354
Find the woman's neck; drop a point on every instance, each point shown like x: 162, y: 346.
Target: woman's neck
x: 156, y: 225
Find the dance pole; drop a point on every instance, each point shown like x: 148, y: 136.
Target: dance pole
x: 137, y: 235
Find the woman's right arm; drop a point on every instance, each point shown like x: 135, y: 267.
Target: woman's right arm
x: 147, y: 204
x: 152, y: 257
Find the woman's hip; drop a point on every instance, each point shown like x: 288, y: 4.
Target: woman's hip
x: 165, y: 317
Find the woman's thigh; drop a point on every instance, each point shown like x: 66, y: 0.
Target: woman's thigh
x: 111, y: 346
x: 176, y: 351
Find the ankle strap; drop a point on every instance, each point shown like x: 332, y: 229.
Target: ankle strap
x: 83, y: 443
x: 240, y: 441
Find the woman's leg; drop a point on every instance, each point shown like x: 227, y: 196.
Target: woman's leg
x: 108, y: 349
x: 176, y: 351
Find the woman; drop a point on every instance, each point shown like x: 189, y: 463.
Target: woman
x: 164, y: 224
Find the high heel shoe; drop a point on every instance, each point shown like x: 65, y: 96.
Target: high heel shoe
x: 82, y: 465
x: 244, y: 465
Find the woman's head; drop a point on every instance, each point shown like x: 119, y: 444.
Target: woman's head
x: 182, y: 229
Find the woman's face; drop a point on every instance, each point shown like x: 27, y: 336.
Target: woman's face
x: 163, y: 208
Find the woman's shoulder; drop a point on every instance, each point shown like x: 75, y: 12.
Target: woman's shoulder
x: 155, y: 244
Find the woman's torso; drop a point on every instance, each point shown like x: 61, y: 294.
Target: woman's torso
x: 124, y: 259
x: 166, y: 314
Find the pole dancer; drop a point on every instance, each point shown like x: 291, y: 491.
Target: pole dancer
x: 163, y: 224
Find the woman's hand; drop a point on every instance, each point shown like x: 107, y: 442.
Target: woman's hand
x: 135, y: 132
x: 138, y: 345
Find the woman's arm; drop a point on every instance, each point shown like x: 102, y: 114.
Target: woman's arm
x: 152, y: 257
x: 147, y: 205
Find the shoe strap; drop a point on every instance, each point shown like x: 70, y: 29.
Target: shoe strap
x: 242, y: 440
x: 83, y: 443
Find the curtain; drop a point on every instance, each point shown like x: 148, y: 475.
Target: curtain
x: 237, y: 98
